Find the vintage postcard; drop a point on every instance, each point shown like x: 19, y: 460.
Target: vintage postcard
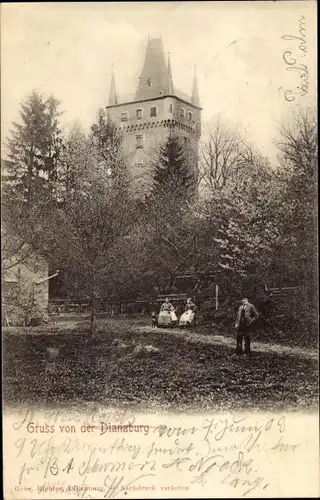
x: 159, y: 250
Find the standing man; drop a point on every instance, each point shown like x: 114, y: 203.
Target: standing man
x: 246, y: 317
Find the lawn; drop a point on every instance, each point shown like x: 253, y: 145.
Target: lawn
x: 114, y: 370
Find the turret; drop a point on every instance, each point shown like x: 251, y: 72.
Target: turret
x: 169, y: 75
x: 113, y: 98
x: 195, y: 93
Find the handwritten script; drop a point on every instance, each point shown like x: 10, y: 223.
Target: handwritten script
x: 228, y: 453
x: 294, y: 60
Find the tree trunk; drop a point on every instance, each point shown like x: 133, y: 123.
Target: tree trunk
x: 93, y: 313
x: 30, y: 180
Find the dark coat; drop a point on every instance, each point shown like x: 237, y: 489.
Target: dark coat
x: 246, y: 316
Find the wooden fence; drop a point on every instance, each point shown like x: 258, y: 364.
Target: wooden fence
x: 144, y: 305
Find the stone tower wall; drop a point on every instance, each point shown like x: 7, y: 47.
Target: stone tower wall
x: 156, y: 110
x: 143, y: 134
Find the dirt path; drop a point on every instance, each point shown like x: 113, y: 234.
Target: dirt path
x: 79, y: 325
x: 193, y: 336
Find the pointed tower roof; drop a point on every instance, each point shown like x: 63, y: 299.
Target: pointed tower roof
x: 169, y: 73
x: 153, y: 81
x: 113, y: 98
x: 195, y: 93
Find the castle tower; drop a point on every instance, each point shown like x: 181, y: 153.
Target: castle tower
x: 156, y: 110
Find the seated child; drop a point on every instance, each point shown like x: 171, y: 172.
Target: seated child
x: 154, y: 319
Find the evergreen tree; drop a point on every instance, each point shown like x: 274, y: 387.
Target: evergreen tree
x: 167, y: 218
x: 34, y: 149
x: 31, y: 177
x: 173, y: 179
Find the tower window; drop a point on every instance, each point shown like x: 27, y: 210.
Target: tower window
x: 170, y: 108
x: 139, y: 141
x: 149, y: 82
x: 124, y: 116
x: 153, y: 111
x: 185, y: 141
x: 182, y: 113
x: 139, y: 114
x: 190, y: 115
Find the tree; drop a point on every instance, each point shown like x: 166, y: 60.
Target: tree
x: 236, y: 209
x: 222, y: 157
x: 259, y: 222
x: 173, y: 177
x: 34, y: 149
x: 74, y: 161
x: 297, y: 174
x: 106, y: 149
x: 248, y: 234
x: 241, y: 229
x: 167, y: 212
x: 30, y: 184
x: 95, y: 216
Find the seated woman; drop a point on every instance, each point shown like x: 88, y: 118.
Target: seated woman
x: 164, y: 318
x: 187, y: 317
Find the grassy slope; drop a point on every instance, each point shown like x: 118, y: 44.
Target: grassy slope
x: 182, y: 375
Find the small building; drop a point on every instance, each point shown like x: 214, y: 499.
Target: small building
x: 25, y: 289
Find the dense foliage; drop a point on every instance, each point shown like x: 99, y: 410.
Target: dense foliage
x: 253, y: 224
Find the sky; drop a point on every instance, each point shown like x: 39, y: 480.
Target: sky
x: 67, y: 49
